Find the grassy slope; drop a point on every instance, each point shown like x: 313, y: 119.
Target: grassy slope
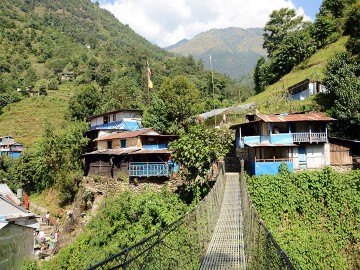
x: 25, y: 120
x: 273, y: 99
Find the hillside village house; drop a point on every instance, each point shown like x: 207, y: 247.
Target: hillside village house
x: 305, y: 89
x: 140, y: 153
x: 9, y: 147
x: 116, y: 121
x: 299, y: 140
x: 17, y: 227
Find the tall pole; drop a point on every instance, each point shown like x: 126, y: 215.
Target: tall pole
x: 212, y: 79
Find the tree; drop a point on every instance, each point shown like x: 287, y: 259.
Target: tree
x: 259, y: 75
x: 52, y: 161
x: 103, y: 73
x: 154, y: 115
x: 122, y: 93
x: 342, y: 81
x: 181, y: 100
x: 281, y: 23
x: 352, y: 28
x: 198, y: 149
x: 30, y: 77
x: 322, y: 29
x: 296, y: 47
x: 334, y: 7
x: 84, y: 103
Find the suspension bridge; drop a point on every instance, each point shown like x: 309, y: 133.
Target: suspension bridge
x: 224, y: 231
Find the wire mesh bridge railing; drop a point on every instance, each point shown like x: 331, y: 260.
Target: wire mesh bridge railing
x: 183, y: 244
x: 261, y: 249
x: 179, y: 245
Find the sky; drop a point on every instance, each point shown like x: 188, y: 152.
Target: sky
x: 165, y: 22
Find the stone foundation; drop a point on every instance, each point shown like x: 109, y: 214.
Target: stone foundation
x: 342, y: 168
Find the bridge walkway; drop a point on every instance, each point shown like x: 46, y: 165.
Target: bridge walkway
x: 226, y: 248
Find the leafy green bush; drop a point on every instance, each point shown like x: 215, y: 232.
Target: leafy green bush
x: 123, y: 221
x: 313, y: 215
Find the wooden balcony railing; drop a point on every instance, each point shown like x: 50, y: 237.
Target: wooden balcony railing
x: 146, y: 169
x: 309, y: 137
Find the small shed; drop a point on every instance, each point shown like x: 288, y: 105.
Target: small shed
x: 341, y: 151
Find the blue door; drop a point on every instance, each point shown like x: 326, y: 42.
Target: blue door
x: 302, y: 157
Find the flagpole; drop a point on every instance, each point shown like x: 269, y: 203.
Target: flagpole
x: 212, y: 79
x: 148, y: 81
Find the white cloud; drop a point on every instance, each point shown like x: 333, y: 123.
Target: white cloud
x: 165, y: 22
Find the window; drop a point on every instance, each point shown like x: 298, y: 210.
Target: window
x: 123, y: 143
x: 109, y: 144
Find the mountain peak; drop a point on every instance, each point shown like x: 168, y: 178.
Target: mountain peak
x: 235, y: 50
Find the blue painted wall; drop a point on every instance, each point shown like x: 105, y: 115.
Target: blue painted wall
x: 129, y: 126
x: 259, y: 168
x: 11, y: 154
x: 155, y: 146
x: 283, y: 138
x: 252, y: 139
x: 15, y: 154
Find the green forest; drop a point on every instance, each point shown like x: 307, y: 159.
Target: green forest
x: 313, y: 215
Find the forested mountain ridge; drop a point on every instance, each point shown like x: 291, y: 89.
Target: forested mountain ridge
x: 234, y: 50
x: 41, y: 39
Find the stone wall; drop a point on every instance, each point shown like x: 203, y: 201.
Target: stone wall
x: 342, y: 168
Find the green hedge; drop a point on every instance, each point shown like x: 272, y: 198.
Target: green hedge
x: 314, y: 215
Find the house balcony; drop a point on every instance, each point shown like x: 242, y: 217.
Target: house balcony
x: 147, y: 169
x: 309, y: 137
x: 281, y: 138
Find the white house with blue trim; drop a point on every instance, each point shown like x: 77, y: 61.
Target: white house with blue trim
x: 305, y: 89
x: 300, y: 140
x: 116, y: 121
x: 9, y: 147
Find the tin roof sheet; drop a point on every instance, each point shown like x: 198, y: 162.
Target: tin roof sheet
x: 7, y: 192
x: 267, y: 144
x: 151, y: 151
x: 115, y: 152
x: 8, y: 208
x: 127, y: 134
x: 277, y: 118
x: 114, y: 112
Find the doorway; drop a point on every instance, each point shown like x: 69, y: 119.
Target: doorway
x: 302, y: 157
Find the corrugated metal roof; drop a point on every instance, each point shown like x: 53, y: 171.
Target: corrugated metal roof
x: 17, y: 149
x: 113, y: 112
x: 232, y: 109
x: 267, y: 144
x: 3, y: 224
x: 8, y: 208
x: 151, y: 151
x: 277, y: 118
x: 115, y: 152
x: 7, y: 192
x: 127, y: 134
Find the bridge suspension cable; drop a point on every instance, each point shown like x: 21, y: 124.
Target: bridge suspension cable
x: 180, y: 245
